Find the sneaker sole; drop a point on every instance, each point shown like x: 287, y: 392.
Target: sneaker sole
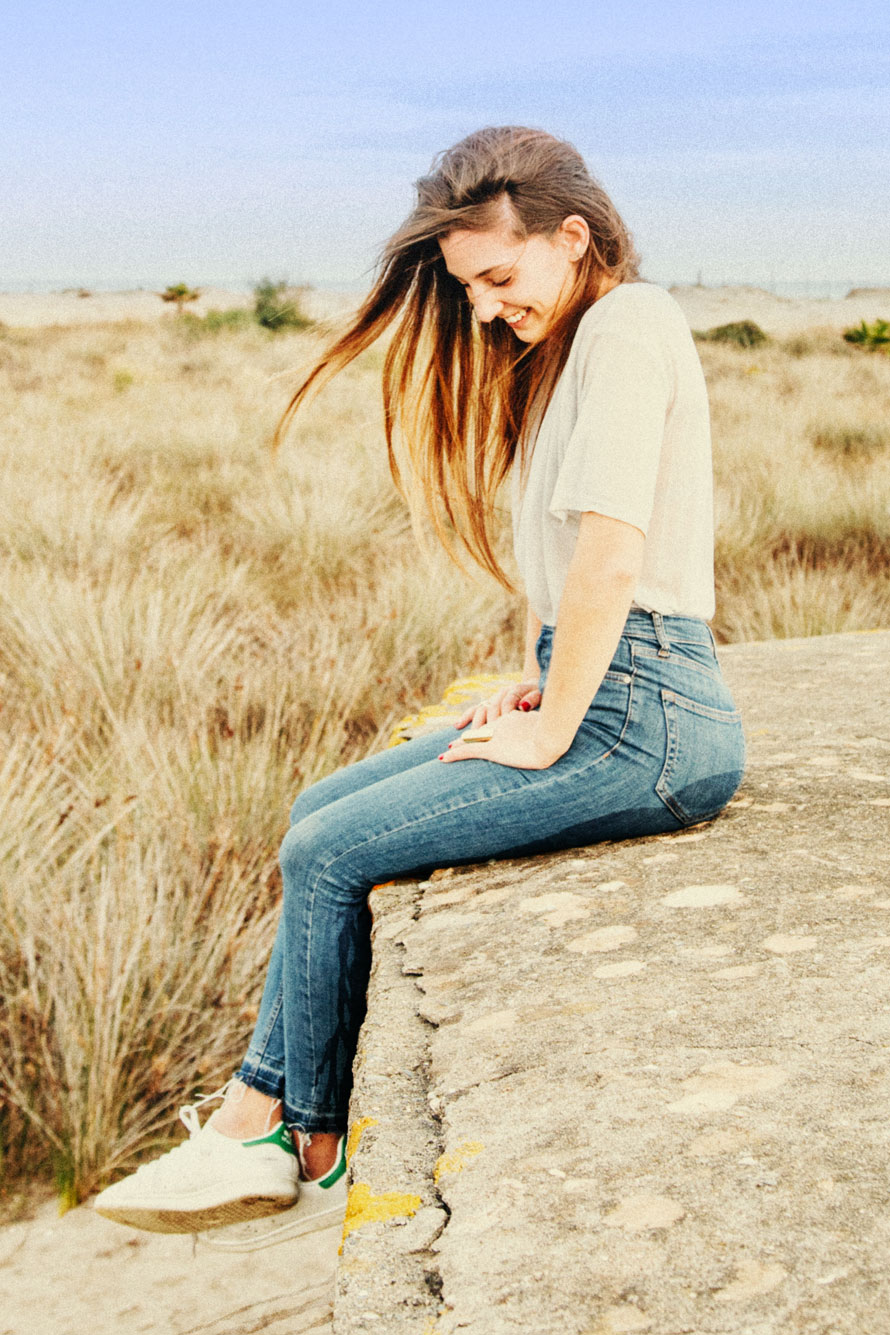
x: 286, y: 1231
x: 154, y: 1220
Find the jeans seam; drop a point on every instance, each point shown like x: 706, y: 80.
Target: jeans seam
x: 678, y: 660
x: 260, y: 1056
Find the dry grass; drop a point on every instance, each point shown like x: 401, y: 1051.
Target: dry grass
x: 190, y: 631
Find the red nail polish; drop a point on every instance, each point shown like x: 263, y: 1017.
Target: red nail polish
x: 442, y: 757
x: 524, y: 705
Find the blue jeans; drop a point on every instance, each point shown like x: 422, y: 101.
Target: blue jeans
x: 660, y: 748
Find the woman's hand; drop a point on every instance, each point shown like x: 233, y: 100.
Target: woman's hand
x: 520, y: 695
x: 517, y: 739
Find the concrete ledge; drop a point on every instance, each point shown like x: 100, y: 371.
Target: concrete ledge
x: 644, y: 1086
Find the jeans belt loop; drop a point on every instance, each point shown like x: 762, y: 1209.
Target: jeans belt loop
x: 664, y: 648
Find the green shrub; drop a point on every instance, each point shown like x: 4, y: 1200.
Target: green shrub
x: 813, y: 342
x: 850, y: 441
x: 871, y: 336
x: 277, y: 306
x: 123, y: 379
x: 236, y: 317
x: 743, y: 333
x: 214, y: 322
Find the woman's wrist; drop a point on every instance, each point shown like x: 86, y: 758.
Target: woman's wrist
x: 553, y: 738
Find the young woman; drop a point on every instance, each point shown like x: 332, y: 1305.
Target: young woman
x: 526, y: 345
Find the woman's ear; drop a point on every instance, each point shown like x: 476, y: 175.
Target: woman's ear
x: 575, y: 236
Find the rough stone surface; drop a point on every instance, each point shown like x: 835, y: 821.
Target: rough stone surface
x: 644, y: 1086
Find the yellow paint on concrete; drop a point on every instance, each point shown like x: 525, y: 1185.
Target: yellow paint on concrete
x: 456, y: 1160
x: 363, y: 1207
x: 356, y: 1131
x: 460, y: 692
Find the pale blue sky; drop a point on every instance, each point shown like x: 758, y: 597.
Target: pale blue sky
x: 205, y: 140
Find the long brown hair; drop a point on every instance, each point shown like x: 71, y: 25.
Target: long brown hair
x: 460, y: 397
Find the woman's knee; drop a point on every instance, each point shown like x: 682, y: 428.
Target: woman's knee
x: 307, y: 851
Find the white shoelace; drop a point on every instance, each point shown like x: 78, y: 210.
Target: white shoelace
x: 188, y: 1113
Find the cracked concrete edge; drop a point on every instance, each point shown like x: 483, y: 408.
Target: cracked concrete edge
x: 388, y: 1277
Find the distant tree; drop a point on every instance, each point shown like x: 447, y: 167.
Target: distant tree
x: 180, y: 293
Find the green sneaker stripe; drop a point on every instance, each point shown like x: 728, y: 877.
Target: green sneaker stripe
x: 280, y: 1136
x: 338, y: 1169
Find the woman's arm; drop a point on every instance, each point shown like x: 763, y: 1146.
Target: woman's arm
x: 598, y: 592
x: 599, y: 589
x: 530, y: 669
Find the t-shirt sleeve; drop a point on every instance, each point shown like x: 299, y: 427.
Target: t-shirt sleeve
x: 612, y: 456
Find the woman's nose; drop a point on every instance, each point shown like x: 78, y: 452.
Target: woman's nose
x: 486, y: 306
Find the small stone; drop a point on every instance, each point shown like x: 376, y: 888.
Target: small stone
x: 636, y: 1213
x: 702, y: 896
x: 581, y: 1186
x: 752, y: 1280
x: 558, y: 908
x: 738, y: 971
x: 492, y: 1021
x: 621, y: 1320
x: 621, y: 969
x: 604, y: 938
x: 783, y: 943
x: 708, y: 1100
x: 719, y: 1142
x: 717, y: 1086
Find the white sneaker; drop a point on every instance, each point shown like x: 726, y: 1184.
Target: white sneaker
x: 208, y: 1181
x: 322, y: 1203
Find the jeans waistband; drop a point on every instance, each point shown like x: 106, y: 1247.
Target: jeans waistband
x: 661, y: 630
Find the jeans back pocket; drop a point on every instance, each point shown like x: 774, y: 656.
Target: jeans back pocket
x: 705, y: 758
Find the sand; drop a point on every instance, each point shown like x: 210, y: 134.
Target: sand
x: 84, y: 1275
x: 704, y: 307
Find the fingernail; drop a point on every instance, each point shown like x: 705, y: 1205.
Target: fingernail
x: 524, y: 704
x: 442, y: 757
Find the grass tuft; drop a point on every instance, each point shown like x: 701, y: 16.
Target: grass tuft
x: 851, y: 441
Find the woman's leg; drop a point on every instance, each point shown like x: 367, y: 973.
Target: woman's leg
x: 263, y: 1065
x: 660, y: 748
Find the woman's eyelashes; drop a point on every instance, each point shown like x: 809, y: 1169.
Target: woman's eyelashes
x: 495, y: 282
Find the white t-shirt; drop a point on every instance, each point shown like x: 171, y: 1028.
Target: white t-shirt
x: 626, y: 434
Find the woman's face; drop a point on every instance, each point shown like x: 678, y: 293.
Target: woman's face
x: 524, y: 282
